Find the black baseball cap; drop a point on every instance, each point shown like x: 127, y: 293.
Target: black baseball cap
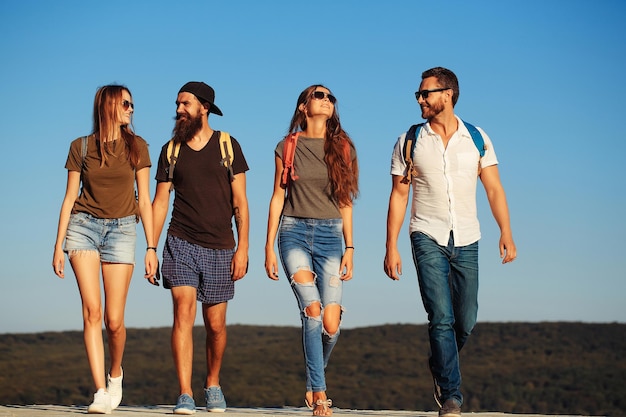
x: 203, y: 92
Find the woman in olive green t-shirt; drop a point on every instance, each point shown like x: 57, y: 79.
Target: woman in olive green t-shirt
x: 97, y: 230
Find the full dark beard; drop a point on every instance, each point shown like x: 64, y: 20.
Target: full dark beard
x: 186, y: 128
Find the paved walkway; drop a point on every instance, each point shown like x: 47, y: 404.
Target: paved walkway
x: 160, y: 410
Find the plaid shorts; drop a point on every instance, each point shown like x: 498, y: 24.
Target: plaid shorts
x: 207, y: 270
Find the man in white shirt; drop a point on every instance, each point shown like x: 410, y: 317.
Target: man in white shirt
x: 444, y: 226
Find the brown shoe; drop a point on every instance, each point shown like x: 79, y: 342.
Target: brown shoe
x: 450, y: 409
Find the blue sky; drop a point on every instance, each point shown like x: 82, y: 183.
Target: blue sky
x: 544, y: 79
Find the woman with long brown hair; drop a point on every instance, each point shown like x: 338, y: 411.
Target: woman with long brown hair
x: 97, y: 230
x: 315, y: 183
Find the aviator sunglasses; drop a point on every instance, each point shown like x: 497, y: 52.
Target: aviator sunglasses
x: 319, y: 95
x: 126, y: 104
x: 424, y: 93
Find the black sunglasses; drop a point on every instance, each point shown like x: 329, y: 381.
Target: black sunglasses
x: 424, y: 93
x: 319, y: 95
x: 126, y: 104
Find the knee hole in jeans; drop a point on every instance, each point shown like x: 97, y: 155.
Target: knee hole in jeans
x: 313, y: 310
x: 331, y: 329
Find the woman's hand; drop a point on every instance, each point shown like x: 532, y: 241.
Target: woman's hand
x: 58, y: 263
x: 271, y: 266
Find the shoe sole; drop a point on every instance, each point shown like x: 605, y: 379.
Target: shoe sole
x: 216, y: 410
x: 184, y: 411
x: 98, y: 411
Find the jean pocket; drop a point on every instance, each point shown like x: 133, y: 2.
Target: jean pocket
x: 288, y: 223
x: 128, y: 229
x: 79, y: 219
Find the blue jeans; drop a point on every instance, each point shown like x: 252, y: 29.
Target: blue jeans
x: 315, y: 245
x: 448, y: 280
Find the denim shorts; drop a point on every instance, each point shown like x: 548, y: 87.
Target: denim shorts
x: 113, y: 239
x: 207, y: 270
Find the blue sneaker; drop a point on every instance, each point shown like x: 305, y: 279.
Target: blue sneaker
x: 185, y: 405
x: 215, y: 400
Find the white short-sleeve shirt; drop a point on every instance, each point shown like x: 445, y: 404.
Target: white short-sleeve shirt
x: 444, y: 189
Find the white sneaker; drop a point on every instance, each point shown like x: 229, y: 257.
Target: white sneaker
x: 114, y: 386
x: 101, y: 403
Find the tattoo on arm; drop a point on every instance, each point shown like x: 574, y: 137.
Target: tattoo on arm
x: 237, y: 217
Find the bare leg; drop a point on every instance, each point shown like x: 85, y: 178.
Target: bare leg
x: 86, y: 266
x: 116, y: 279
x: 215, y: 324
x: 184, y: 299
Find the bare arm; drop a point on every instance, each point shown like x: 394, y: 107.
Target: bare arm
x: 239, y: 265
x: 277, y: 203
x: 490, y: 177
x: 142, y: 177
x: 160, y: 205
x: 347, y: 260
x: 398, y: 201
x: 71, y: 193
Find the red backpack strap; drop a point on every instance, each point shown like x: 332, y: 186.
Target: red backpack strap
x: 289, y: 152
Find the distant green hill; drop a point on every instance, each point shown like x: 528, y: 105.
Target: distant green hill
x: 548, y: 368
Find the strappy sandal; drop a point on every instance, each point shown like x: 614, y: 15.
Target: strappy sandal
x: 326, y: 404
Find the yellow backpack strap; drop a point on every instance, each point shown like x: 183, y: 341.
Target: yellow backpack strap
x: 172, y: 155
x: 226, y: 148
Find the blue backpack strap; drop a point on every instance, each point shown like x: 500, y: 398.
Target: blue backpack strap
x: 479, y: 142
x: 411, y: 139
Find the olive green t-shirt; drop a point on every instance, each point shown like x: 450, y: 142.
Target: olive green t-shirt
x: 309, y: 196
x: 107, y: 192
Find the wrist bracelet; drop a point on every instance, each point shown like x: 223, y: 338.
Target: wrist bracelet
x: 151, y: 247
x: 350, y: 247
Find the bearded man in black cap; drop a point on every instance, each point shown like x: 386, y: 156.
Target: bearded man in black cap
x: 201, y: 260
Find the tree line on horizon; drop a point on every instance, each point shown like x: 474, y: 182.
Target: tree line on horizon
x: 521, y: 368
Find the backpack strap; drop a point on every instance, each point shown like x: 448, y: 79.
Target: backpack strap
x: 172, y: 155
x: 226, y: 148
x: 83, y: 151
x: 407, y: 152
x: 289, y: 152
x: 477, y: 138
x: 411, y: 139
x: 479, y: 142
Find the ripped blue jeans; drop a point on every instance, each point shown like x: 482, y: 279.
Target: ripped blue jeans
x: 315, y: 245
